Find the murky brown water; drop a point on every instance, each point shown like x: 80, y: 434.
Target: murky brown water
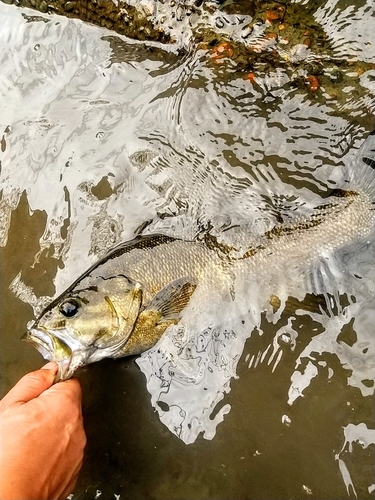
x: 100, y: 135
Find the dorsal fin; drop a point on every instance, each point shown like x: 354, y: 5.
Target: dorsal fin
x: 362, y: 171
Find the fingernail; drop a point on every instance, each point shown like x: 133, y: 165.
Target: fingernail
x: 52, y: 365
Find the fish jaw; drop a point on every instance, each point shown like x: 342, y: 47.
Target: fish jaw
x: 52, y: 348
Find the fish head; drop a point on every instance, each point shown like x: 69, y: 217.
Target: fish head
x: 87, y: 323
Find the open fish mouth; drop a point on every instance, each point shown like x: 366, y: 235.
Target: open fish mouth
x: 53, y: 348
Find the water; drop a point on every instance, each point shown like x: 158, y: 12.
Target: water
x: 102, y: 136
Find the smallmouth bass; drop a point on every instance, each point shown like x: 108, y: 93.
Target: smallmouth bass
x: 123, y: 304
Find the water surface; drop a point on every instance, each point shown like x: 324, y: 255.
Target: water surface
x: 266, y: 397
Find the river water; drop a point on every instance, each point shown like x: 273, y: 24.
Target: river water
x: 103, y: 137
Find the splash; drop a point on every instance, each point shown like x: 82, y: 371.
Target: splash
x: 361, y: 436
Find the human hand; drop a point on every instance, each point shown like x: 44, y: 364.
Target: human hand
x: 42, y: 437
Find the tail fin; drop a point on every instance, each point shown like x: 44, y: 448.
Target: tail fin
x: 362, y: 171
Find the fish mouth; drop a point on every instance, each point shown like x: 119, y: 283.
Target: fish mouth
x: 53, y: 348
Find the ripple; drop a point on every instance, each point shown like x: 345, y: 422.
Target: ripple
x: 108, y: 138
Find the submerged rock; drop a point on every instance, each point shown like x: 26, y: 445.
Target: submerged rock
x: 263, y: 37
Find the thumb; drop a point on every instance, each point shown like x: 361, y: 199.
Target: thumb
x: 32, y: 385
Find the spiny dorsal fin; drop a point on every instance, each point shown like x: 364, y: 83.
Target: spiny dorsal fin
x: 362, y: 174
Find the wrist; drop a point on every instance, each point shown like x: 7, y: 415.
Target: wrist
x: 13, y: 487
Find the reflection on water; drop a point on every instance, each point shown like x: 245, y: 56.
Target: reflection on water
x: 103, y: 137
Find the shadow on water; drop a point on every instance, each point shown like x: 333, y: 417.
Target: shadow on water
x: 109, y: 135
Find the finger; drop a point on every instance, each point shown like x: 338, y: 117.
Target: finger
x: 70, y: 389
x: 51, y: 365
x: 31, y: 385
x: 66, y: 398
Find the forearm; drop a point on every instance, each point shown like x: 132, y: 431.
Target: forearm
x: 12, y: 487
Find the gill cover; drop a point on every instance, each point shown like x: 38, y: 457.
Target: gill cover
x: 123, y: 297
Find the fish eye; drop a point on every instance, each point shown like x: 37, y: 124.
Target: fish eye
x: 69, y: 308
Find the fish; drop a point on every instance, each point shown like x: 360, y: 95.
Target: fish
x: 123, y: 304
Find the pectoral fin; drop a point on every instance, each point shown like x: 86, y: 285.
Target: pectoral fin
x: 164, y: 309
x: 171, y: 300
